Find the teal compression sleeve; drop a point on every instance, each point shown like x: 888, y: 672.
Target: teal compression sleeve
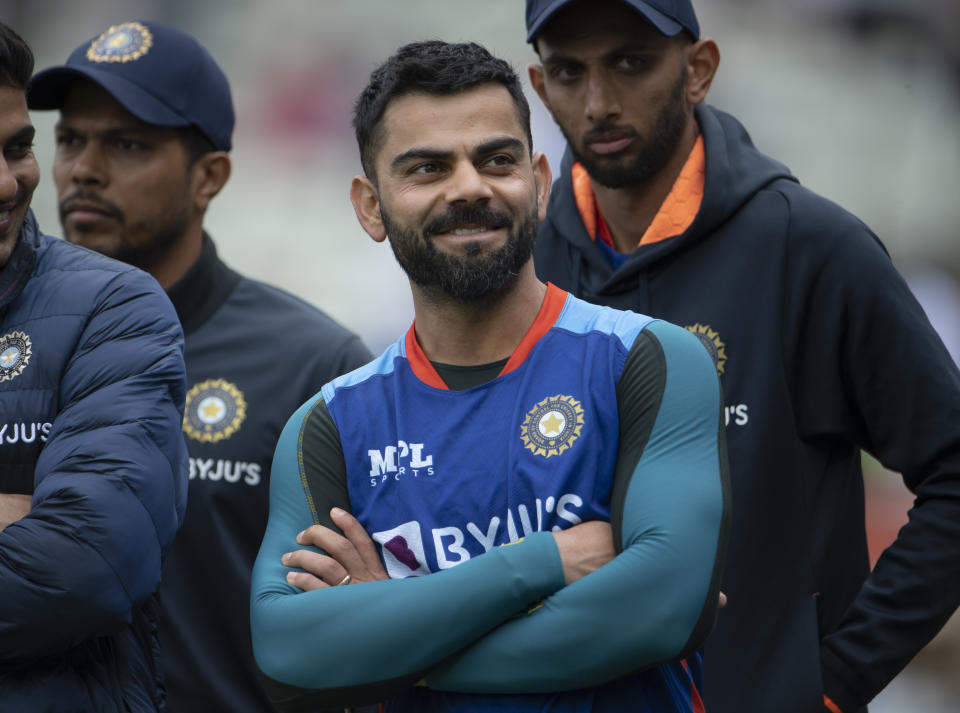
x: 308, y: 639
x: 657, y: 600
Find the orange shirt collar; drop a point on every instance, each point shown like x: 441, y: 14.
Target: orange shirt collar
x: 550, y: 309
x: 676, y: 213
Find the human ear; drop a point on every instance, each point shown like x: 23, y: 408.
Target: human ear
x: 366, y: 204
x: 535, y: 71
x: 210, y: 173
x: 702, y: 59
x: 543, y: 177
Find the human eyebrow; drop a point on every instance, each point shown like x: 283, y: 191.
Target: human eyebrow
x: 143, y: 133
x: 500, y: 144
x: 144, y: 136
x: 634, y: 46
x: 419, y: 154
x: 561, y: 60
x: 23, y: 136
x: 632, y: 49
x: 626, y: 48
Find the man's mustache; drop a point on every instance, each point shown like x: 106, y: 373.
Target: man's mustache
x: 609, y: 132
x: 459, y: 217
x: 85, y: 200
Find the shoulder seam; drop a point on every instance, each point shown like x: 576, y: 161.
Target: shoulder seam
x: 301, y: 470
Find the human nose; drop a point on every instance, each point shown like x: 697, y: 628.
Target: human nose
x: 467, y: 185
x: 88, y: 166
x: 601, y: 101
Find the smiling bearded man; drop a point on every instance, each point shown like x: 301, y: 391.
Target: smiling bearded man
x: 510, y: 413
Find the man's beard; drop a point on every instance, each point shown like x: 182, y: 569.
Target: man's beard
x: 163, y: 242
x: 665, y: 135
x: 475, y: 276
x: 164, y: 233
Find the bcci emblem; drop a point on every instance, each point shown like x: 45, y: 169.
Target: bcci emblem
x: 14, y: 354
x: 552, y: 425
x: 711, y: 340
x: 214, y: 411
x: 121, y: 43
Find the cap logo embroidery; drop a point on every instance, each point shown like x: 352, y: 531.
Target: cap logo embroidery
x: 121, y: 43
x: 15, y: 352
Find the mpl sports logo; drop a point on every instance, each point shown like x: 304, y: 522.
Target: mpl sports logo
x: 396, y: 462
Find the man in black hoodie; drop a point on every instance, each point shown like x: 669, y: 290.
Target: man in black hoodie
x: 663, y: 206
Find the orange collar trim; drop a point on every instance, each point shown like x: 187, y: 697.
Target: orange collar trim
x: 677, y: 212
x: 547, y: 316
x: 421, y: 366
x: 586, y: 200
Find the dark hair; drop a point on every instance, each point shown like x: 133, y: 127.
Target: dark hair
x: 16, y: 59
x: 196, y: 143
x: 431, y: 67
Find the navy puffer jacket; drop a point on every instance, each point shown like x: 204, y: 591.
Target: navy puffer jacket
x: 91, y: 404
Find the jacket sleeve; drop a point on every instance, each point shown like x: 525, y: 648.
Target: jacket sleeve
x: 110, y: 483
x: 657, y: 600
x: 869, y: 368
x: 308, y: 640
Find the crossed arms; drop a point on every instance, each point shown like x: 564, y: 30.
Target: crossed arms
x: 110, y: 481
x: 467, y: 628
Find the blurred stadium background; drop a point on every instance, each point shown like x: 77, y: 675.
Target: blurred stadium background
x: 861, y: 98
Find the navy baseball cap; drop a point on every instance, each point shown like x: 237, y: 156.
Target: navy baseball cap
x: 160, y: 75
x: 670, y: 17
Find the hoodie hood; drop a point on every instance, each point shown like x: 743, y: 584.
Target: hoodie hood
x: 735, y: 172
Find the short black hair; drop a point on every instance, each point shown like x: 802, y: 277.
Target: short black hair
x: 16, y: 59
x: 430, y: 67
x: 195, y: 142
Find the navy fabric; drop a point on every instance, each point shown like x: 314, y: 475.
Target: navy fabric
x: 252, y: 344
x: 822, y: 350
x: 159, y: 74
x: 668, y: 16
x: 91, y: 402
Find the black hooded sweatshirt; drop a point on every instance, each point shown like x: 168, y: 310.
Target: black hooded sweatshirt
x: 822, y: 351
